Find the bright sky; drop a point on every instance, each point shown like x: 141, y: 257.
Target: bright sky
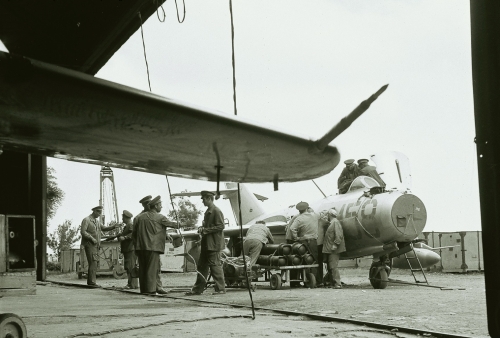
x: 302, y: 66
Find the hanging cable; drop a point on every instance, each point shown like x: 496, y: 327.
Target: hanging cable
x: 157, y: 13
x: 180, y: 232
x: 177, y: 8
x: 239, y: 195
x: 144, y: 48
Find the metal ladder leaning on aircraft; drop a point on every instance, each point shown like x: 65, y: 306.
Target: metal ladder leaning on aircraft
x: 418, y: 266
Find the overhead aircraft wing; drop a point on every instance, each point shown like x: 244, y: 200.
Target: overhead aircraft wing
x: 53, y: 111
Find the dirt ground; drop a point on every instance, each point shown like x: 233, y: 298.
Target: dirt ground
x: 459, y: 308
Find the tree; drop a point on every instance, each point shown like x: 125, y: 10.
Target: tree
x: 187, y: 212
x: 63, y: 238
x: 55, y: 195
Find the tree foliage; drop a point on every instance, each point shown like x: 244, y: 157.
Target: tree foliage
x: 63, y: 238
x: 187, y: 212
x: 55, y: 195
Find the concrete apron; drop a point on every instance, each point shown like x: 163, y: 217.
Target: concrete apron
x: 61, y: 311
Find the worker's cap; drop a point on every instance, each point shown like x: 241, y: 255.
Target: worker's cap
x: 301, y: 206
x: 349, y: 161
x: 146, y: 199
x: 333, y: 212
x: 127, y: 213
x: 205, y: 193
x: 97, y: 208
x: 362, y: 160
x: 155, y: 201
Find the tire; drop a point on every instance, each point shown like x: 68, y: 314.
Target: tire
x: 11, y: 325
x: 311, y: 280
x: 275, y: 281
x: 378, y: 278
x: 78, y: 272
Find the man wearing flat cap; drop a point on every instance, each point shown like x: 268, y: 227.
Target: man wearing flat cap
x: 304, y: 229
x: 212, y: 243
x: 333, y: 246
x: 127, y: 249
x: 349, y: 173
x: 91, y: 229
x: 149, y: 235
x: 369, y: 170
x: 145, y: 205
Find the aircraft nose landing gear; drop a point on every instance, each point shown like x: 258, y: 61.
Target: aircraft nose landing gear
x: 379, y: 272
x: 12, y: 326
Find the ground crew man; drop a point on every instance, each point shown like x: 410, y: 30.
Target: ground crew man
x: 257, y: 236
x: 369, y: 170
x: 212, y: 243
x: 149, y: 235
x: 333, y: 246
x: 127, y: 249
x: 91, y: 228
x: 349, y: 173
x: 145, y: 205
x: 304, y: 229
x: 323, y: 224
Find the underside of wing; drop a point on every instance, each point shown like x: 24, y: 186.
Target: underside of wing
x: 53, y: 111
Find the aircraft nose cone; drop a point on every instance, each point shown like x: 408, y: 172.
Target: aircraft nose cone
x: 409, y: 216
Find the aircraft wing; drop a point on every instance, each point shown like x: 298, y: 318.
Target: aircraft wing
x: 53, y: 111
x: 222, y: 192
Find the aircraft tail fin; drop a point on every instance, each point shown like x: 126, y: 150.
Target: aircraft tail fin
x: 251, y: 208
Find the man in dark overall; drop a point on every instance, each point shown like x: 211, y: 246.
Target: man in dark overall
x: 127, y: 249
x: 349, y: 173
x: 91, y: 229
x: 212, y: 243
x: 369, y: 170
x: 149, y: 235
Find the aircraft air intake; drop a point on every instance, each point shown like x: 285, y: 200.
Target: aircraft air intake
x: 409, y: 216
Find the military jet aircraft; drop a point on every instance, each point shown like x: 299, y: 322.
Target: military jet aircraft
x: 383, y: 223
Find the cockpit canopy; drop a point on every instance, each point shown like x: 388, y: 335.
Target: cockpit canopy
x: 363, y: 182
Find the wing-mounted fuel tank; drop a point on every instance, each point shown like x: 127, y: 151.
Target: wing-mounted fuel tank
x: 373, y: 220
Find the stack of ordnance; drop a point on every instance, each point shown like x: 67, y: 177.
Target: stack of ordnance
x: 285, y: 255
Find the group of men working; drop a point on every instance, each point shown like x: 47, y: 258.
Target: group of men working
x: 323, y: 236
x: 143, y: 240
x: 353, y: 170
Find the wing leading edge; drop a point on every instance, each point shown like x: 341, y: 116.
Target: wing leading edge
x: 52, y: 111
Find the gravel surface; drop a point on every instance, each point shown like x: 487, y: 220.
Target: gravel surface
x: 459, y: 307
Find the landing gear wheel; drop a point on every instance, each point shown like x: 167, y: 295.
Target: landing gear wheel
x: 119, y: 272
x: 12, y: 326
x: 311, y: 281
x: 275, y: 281
x: 378, y: 277
x: 80, y: 274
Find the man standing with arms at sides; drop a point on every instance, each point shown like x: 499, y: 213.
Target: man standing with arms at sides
x: 257, y: 235
x: 145, y: 205
x: 149, y: 235
x: 91, y: 241
x: 333, y: 246
x: 349, y: 173
x: 323, y: 224
x: 127, y: 249
x: 212, y: 243
x: 369, y: 170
